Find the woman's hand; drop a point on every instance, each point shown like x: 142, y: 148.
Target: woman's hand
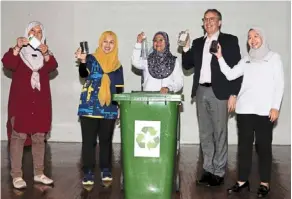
x: 20, y: 42
x: 164, y: 90
x: 274, y: 115
x: 44, y: 49
x: 140, y: 37
x: 80, y: 56
x: 231, y: 103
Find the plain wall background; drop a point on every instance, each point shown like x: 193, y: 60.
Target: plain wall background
x: 68, y: 23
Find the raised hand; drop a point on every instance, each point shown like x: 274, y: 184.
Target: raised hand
x: 80, y: 56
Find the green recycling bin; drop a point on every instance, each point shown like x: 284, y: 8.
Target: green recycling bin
x: 149, y: 143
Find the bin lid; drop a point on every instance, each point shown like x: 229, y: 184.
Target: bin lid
x: 147, y: 96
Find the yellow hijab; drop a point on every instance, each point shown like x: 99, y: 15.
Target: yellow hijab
x: 109, y: 62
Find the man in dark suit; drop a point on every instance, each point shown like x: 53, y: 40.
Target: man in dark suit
x: 215, y: 95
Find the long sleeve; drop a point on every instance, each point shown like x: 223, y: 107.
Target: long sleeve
x: 119, y: 81
x: 278, y: 83
x: 232, y: 59
x: 52, y: 64
x: 231, y: 73
x: 10, y: 61
x: 85, y: 68
x: 137, y: 62
x: 83, y: 72
x: 175, y: 83
x: 188, y: 61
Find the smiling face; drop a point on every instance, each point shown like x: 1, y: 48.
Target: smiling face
x: 108, y: 44
x: 159, y: 43
x: 211, y: 22
x: 37, y: 32
x: 255, y: 41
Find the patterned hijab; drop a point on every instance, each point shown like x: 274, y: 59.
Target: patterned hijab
x: 161, y: 64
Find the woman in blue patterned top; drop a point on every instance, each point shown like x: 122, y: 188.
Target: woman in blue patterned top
x: 103, y: 75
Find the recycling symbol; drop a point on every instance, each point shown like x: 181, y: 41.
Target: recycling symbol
x: 148, y: 137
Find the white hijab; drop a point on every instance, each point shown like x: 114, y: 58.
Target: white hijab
x: 35, y: 63
x: 261, y: 52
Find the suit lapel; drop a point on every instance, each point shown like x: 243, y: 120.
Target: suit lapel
x: 220, y: 37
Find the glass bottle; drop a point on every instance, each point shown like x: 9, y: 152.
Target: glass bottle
x: 144, y: 49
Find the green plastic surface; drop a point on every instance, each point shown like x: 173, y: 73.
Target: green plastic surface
x: 148, y: 124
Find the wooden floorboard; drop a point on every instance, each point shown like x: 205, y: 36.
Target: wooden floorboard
x: 62, y: 163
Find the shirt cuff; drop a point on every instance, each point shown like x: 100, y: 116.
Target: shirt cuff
x: 186, y: 49
x: 276, y: 106
x: 221, y: 61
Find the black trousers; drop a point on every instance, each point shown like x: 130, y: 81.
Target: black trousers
x: 91, y: 128
x: 260, y: 127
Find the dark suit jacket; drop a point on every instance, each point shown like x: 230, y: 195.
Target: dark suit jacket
x: 222, y: 88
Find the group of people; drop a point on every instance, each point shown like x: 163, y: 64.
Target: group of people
x: 253, y: 86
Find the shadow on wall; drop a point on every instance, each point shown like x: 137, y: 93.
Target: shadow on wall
x: 7, y: 73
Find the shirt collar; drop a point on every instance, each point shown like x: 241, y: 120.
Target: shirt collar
x: 215, y: 36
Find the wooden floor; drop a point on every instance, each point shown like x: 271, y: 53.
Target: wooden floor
x: 62, y: 163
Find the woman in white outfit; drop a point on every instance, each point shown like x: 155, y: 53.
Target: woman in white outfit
x: 161, y: 70
x: 257, y: 107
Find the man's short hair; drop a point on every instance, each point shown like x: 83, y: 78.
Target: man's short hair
x: 214, y: 11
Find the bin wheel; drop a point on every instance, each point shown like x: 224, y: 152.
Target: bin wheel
x: 177, y: 183
x: 122, y: 182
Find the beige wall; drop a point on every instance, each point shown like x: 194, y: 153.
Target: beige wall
x: 67, y: 23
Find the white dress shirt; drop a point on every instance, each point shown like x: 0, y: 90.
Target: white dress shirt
x: 262, y: 86
x: 205, y: 75
x: 174, y: 82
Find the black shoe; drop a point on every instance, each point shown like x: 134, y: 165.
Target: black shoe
x: 238, y: 188
x: 216, y: 180
x: 205, y: 178
x: 263, y: 191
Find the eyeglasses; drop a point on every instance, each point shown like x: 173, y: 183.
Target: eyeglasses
x: 211, y: 19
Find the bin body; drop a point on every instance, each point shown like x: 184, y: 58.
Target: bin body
x: 149, y: 143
